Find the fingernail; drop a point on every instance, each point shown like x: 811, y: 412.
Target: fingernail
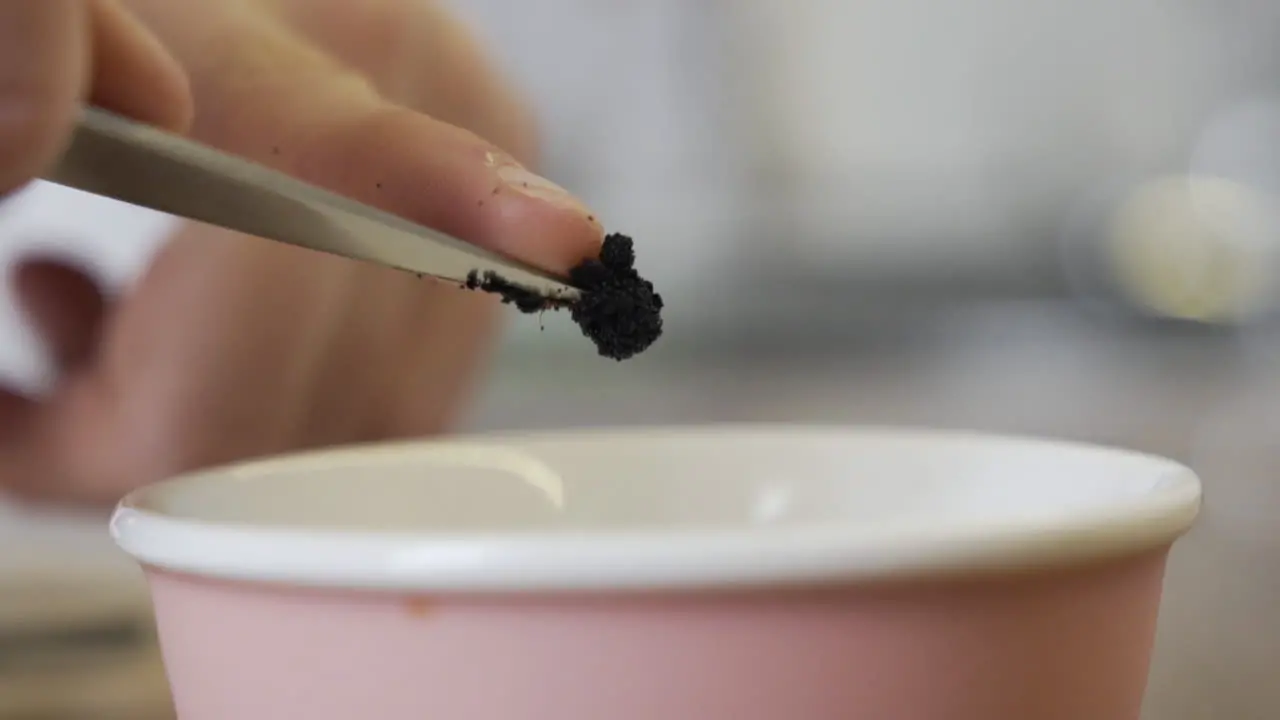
x: 518, y: 178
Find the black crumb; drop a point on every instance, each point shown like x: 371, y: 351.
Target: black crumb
x: 525, y: 300
x: 618, y: 310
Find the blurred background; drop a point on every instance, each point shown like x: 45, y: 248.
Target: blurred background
x: 1033, y: 216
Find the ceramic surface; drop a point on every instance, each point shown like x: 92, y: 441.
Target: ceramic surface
x: 745, y: 573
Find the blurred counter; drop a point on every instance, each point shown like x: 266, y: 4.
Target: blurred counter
x: 77, y: 639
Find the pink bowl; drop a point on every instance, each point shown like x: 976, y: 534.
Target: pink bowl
x: 750, y: 573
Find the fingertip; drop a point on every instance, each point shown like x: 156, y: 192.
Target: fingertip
x: 544, y: 234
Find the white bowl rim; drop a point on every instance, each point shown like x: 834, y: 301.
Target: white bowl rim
x: 647, y: 560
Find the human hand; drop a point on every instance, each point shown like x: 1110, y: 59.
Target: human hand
x: 232, y: 347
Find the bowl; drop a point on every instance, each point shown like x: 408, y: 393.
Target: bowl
x: 703, y: 573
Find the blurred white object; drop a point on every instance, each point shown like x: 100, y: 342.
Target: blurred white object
x: 1197, y: 248
x: 113, y: 240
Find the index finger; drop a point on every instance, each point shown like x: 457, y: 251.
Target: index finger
x: 269, y: 95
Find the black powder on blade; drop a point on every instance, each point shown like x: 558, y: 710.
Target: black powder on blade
x: 618, y: 310
x: 525, y: 300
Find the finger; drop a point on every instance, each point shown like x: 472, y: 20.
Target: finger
x: 242, y: 319
x: 43, y: 60
x: 19, y: 473
x: 451, y: 180
x: 414, y: 351
x: 41, y: 450
x: 452, y: 335
x: 66, y: 307
x: 31, y: 467
x: 271, y: 96
x: 15, y: 413
x: 133, y: 74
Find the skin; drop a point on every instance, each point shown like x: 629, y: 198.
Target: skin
x: 230, y: 346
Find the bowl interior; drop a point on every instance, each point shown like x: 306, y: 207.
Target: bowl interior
x: 674, y: 479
